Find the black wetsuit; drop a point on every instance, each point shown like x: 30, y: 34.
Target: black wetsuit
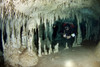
x: 69, y: 40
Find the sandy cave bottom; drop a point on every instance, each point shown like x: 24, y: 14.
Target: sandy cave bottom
x: 77, y: 57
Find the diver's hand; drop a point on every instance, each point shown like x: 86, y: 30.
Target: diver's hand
x: 73, y: 35
x: 64, y: 35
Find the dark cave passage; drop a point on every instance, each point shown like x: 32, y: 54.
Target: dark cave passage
x: 36, y: 38
x: 1, y: 47
x: 5, y: 35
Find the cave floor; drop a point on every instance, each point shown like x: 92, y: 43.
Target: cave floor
x: 77, y: 57
x: 80, y: 56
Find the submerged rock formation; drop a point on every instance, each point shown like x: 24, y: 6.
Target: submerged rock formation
x: 20, y: 57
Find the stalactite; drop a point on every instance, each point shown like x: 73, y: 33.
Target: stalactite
x: 16, y: 29
x: 3, y: 34
x: 73, y: 14
x: 41, y: 29
x: 50, y: 31
x: 46, y: 28
x: 79, y: 37
x: 52, y: 20
x: 10, y: 12
x: 18, y: 32
x: 8, y: 32
x: 56, y: 17
x: 13, y: 39
x: 2, y: 12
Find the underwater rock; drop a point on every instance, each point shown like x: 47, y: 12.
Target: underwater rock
x: 20, y: 57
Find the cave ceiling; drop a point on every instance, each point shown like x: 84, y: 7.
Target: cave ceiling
x: 34, y: 8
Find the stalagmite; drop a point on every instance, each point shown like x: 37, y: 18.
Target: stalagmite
x: 39, y: 50
x: 32, y: 45
x: 50, y: 49
x: 24, y: 37
x: 75, y: 42
x: 13, y: 40
x: 45, y: 51
x: 30, y: 39
x: 56, y: 48
x: 66, y: 46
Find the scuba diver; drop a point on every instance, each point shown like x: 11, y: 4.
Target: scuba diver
x: 63, y: 32
x: 69, y: 34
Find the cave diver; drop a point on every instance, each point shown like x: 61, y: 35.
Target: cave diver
x: 68, y: 34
